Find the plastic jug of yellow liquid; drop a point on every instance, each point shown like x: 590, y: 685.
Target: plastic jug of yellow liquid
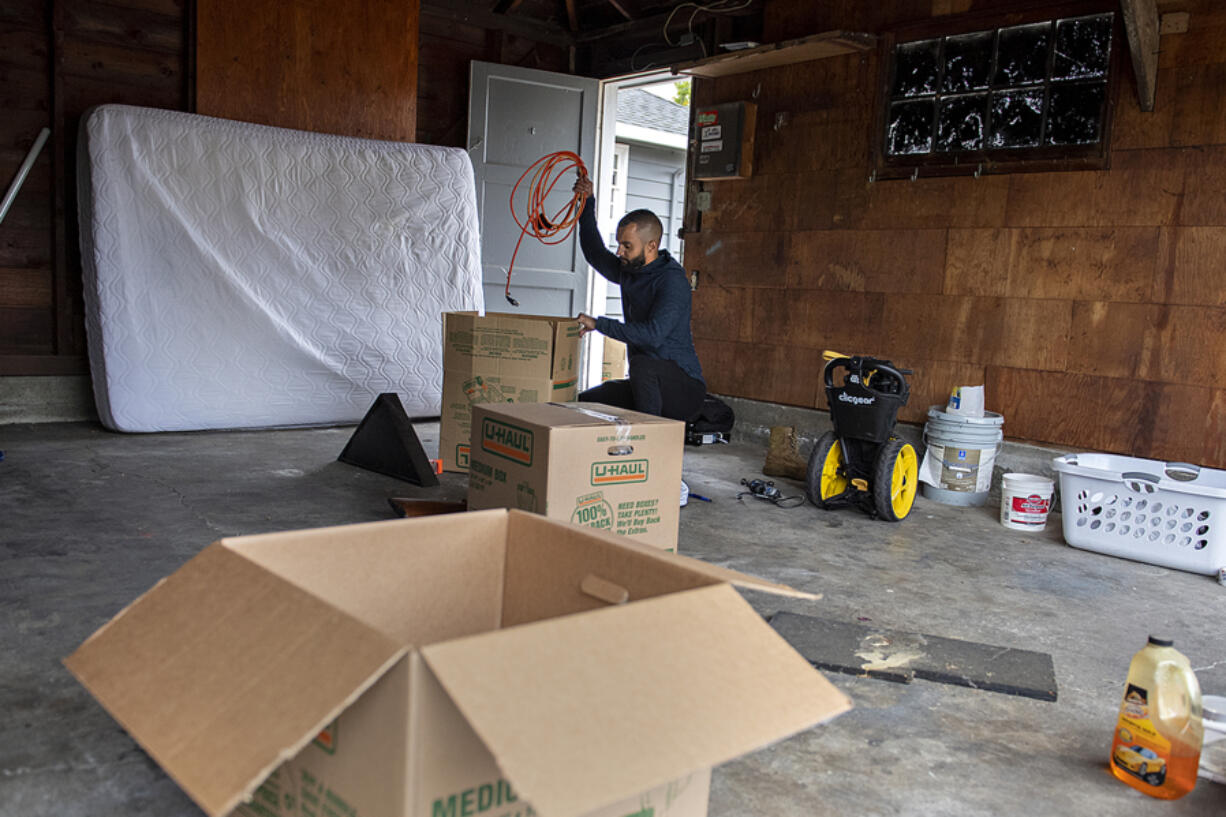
x: 1156, y: 748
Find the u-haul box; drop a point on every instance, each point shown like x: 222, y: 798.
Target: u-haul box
x: 587, y: 463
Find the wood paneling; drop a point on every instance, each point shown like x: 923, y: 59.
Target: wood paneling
x: 1002, y: 331
x: 923, y: 203
x: 1133, y: 128
x: 1091, y: 303
x: 23, y: 13
x: 152, y: 27
x: 723, y: 313
x: 1144, y: 196
x: 847, y: 322
x: 931, y: 382
x: 1070, y: 263
x: 978, y: 262
x: 1134, y: 417
x: 1204, y: 180
x: 765, y: 204
x: 781, y: 374
x: 333, y: 67
x: 738, y: 259
x: 867, y: 260
x: 1199, y: 117
x: 1203, y: 43
x: 1189, y: 269
x: 1081, y: 263
x: 809, y: 141
x: 56, y: 60
x: 1150, y: 342
x: 27, y: 247
x: 27, y: 330
x: 119, y: 64
x: 25, y: 287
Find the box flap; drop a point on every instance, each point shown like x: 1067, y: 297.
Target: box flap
x: 566, y: 352
x: 713, y: 572
x: 224, y: 670
x: 583, y: 710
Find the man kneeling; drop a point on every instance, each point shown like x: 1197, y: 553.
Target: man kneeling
x: 665, y: 375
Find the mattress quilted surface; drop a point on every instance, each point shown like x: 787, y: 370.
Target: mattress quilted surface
x: 239, y: 276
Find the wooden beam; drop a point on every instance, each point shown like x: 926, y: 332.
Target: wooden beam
x: 620, y: 5
x: 1141, y: 26
x: 652, y: 24
x: 571, y: 16
x: 788, y: 52
x: 535, y: 31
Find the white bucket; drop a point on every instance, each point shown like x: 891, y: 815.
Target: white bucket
x: 957, y: 466
x: 1025, y: 500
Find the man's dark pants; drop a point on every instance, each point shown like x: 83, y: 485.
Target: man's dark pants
x: 658, y: 387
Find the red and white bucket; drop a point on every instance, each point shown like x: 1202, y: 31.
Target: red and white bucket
x: 1025, y: 500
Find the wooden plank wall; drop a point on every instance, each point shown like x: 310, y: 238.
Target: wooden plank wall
x: 56, y: 60
x: 349, y: 68
x: 332, y: 66
x: 1091, y: 304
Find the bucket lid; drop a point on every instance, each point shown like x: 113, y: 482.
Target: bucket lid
x: 1027, y: 479
x: 989, y: 418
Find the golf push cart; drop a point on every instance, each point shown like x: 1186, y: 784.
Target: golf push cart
x: 861, y: 462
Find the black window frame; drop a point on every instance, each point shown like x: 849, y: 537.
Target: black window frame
x: 1094, y: 156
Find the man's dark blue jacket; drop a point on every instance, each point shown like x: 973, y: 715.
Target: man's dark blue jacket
x: 655, y: 301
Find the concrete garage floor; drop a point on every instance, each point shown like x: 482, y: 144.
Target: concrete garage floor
x: 90, y: 519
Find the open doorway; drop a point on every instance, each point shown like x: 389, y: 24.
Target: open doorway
x: 632, y: 134
x: 644, y: 138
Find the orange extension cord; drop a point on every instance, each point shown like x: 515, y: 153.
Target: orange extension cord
x: 546, y: 172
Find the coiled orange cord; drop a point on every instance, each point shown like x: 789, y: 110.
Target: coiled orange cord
x: 546, y: 172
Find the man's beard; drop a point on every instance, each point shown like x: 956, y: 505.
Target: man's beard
x: 633, y: 264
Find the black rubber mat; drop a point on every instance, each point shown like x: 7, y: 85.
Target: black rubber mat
x: 894, y: 655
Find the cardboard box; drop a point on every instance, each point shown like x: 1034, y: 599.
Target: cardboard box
x: 499, y: 358
x: 586, y: 463
x: 494, y: 663
x: 613, y: 362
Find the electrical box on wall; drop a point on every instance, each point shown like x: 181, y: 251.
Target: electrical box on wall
x: 723, y: 137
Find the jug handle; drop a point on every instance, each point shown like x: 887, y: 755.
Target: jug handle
x: 1189, y: 687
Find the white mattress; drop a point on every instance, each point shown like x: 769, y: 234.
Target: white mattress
x: 240, y: 276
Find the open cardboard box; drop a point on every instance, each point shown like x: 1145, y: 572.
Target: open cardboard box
x: 494, y: 663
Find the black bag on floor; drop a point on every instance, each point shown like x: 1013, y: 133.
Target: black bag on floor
x: 713, y: 423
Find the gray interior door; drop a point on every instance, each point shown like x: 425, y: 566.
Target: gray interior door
x: 516, y: 116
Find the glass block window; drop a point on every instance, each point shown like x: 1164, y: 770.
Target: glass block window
x: 1024, y: 87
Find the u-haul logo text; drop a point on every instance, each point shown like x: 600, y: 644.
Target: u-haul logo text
x: 619, y: 471
x: 507, y: 441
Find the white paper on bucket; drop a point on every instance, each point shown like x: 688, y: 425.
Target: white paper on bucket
x: 966, y: 401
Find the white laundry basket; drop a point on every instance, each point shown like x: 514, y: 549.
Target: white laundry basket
x: 1165, y: 513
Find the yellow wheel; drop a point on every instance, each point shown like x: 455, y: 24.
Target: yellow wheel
x: 826, y: 475
x: 895, y: 479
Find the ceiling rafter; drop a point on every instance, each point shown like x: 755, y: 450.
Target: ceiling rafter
x: 535, y: 30
x: 623, y: 9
